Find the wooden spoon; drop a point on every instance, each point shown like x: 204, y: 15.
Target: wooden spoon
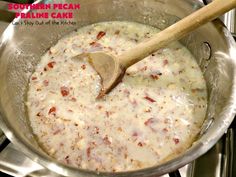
x: 112, y: 68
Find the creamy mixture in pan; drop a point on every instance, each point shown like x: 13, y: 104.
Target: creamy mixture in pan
x: 153, y: 115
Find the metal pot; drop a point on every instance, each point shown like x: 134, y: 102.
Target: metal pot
x: 212, y: 45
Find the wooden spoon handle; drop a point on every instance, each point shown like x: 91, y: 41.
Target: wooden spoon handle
x: 176, y: 31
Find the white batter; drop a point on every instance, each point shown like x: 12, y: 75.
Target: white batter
x: 152, y: 116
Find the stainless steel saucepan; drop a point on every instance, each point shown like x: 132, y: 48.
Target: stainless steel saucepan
x: 22, y: 46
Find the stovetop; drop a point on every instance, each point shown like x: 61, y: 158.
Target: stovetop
x: 220, y: 161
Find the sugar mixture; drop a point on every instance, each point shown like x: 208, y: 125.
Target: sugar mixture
x: 152, y: 116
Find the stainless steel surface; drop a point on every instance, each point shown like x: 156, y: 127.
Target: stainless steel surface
x: 229, y: 151
x: 3, y: 26
x: 209, y: 164
x: 20, y: 52
x: 6, y: 15
x: 2, y: 137
x: 218, y: 162
x: 15, y: 163
x: 229, y: 20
